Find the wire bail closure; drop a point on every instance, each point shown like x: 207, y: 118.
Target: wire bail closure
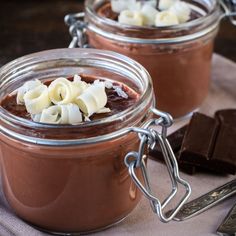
x: 77, y: 29
x: 134, y: 160
x: 229, y: 7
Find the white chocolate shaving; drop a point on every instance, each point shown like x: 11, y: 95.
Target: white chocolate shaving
x: 104, y: 110
x: 74, y: 114
x: 86, y: 118
x: 80, y: 87
x: 152, y: 3
x: 166, y: 18
x: 37, y: 99
x: 24, y: 89
x: 119, y: 5
x: 181, y: 10
x: 61, y: 114
x: 63, y: 91
x: 108, y: 84
x: 130, y: 18
x: 149, y: 14
x: 50, y: 115
x: 36, y: 117
x: 134, y: 5
x: 93, y: 99
x: 120, y: 92
x: 76, y: 78
x: 97, y: 81
x: 166, y: 4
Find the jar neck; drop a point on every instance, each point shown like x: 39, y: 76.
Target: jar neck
x: 64, y: 63
x: 209, y: 16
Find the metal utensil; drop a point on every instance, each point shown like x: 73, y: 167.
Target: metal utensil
x: 228, y: 226
x: 206, y: 201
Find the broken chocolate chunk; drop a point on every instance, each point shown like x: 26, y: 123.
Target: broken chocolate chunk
x: 224, y: 155
x: 226, y: 117
x: 210, y: 143
x: 199, y: 140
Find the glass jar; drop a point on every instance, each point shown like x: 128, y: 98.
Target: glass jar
x: 178, y: 57
x: 65, y: 178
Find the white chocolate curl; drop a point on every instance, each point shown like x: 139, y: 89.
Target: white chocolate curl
x: 80, y: 85
x: 152, y: 3
x: 149, y: 14
x: 121, y: 5
x: 131, y: 18
x: 166, y: 4
x: 181, y: 10
x: 60, y: 114
x: 63, y: 91
x: 37, y: 99
x: 93, y: 99
x: 24, y: 89
x: 166, y: 18
x: 104, y: 110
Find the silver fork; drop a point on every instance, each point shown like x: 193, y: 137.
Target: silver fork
x: 206, y: 201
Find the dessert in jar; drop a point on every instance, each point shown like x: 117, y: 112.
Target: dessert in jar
x: 173, y: 40
x: 68, y: 119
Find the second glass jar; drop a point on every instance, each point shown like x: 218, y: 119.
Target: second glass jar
x: 177, y: 57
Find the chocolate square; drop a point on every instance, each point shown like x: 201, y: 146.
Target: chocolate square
x: 199, y: 140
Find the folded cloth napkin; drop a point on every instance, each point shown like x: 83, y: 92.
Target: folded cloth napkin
x: 142, y: 221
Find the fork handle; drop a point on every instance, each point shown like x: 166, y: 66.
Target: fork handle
x: 206, y: 201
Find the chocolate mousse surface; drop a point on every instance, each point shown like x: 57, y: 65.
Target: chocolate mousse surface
x: 115, y: 102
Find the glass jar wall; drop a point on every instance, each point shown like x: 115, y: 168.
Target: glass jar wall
x: 71, y: 178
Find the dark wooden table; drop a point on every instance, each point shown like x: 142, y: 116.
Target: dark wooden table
x: 29, y: 26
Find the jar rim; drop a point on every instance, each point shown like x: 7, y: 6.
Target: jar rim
x: 128, y: 33
x: 18, y: 64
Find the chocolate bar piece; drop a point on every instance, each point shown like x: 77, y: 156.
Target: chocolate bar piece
x: 210, y: 143
x: 226, y: 117
x: 224, y: 155
x: 198, y: 141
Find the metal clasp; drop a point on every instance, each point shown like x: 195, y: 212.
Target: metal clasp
x: 134, y: 160
x: 77, y: 29
x: 229, y: 7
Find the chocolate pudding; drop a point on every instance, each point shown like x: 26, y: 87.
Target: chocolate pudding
x: 49, y: 176
x: 72, y: 178
x: 178, y: 58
